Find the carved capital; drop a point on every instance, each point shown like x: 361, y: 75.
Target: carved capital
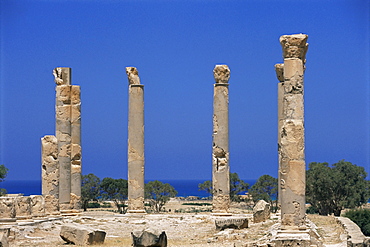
x: 62, y: 76
x: 279, y: 69
x: 221, y: 73
x: 132, y: 75
x: 294, y: 46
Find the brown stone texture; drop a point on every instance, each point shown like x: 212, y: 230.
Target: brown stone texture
x: 149, y: 237
x: 7, y: 208
x: 291, y: 130
x: 261, y: 211
x: 50, y: 169
x: 37, y: 206
x: 135, y: 142
x: 234, y: 222
x: 23, y: 207
x: 51, y: 205
x: 81, y: 235
x: 220, y: 150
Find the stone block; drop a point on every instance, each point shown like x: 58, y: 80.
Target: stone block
x: 4, y: 239
x: 7, y: 209
x: 149, y: 237
x: 261, y: 211
x: 80, y: 235
x: 37, y: 205
x: 231, y: 222
x: 51, y: 205
x: 23, y: 207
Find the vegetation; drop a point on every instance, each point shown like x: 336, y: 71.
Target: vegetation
x: 115, y: 190
x: 362, y: 218
x: 237, y: 186
x: 3, y: 173
x: 197, y: 204
x: 158, y: 194
x: 266, y: 188
x: 90, y: 189
x: 330, y: 189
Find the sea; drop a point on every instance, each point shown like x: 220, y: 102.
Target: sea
x: 184, y: 188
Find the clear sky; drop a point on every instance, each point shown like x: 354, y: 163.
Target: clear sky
x: 175, y: 46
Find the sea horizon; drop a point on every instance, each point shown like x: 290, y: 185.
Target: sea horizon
x: 184, y: 187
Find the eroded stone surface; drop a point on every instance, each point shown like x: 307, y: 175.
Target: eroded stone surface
x: 7, y: 208
x: 50, y: 169
x: 136, y: 158
x: 220, y: 149
x: 37, y: 206
x: 291, y: 130
x: 231, y: 222
x: 81, y: 235
x: 149, y: 237
x: 23, y: 207
x: 261, y: 211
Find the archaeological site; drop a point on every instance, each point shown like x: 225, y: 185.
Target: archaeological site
x: 56, y: 218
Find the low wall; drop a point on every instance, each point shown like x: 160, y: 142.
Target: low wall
x: 355, y: 237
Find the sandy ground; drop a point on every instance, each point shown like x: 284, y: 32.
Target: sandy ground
x: 182, y: 229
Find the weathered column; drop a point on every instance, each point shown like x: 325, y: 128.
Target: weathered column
x: 76, y: 147
x: 50, y: 171
x: 63, y: 133
x: 220, y: 150
x: 279, y: 69
x: 292, y: 159
x: 135, y: 142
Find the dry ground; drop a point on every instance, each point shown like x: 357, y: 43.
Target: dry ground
x: 182, y: 229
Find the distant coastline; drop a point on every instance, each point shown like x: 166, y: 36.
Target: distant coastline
x: 183, y: 187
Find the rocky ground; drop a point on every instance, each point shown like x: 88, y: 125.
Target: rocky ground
x: 182, y: 229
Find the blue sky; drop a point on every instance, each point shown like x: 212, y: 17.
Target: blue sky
x: 175, y: 46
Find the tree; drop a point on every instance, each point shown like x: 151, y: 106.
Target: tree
x: 206, y: 186
x: 236, y: 187
x: 159, y: 194
x: 3, y: 173
x: 266, y: 188
x: 90, y: 189
x: 115, y: 190
x: 330, y: 189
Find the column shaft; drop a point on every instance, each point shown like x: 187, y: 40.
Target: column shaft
x: 292, y: 160
x: 50, y: 169
x: 135, y: 143
x: 220, y: 153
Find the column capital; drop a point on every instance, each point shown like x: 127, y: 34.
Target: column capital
x: 133, y: 76
x: 279, y: 69
x: 294, y: 46
x: 62, y: 75
x: 221, y: 73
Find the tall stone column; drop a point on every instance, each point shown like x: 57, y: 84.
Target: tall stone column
x: 279, y: 69
x: 76, y: 147
x: 291, y: 150
x: 50, y: 171
x: 63, y: 133
x: 135, y: 142
x: 220, y: 150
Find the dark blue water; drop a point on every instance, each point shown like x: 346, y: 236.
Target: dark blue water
x: 33, y: 187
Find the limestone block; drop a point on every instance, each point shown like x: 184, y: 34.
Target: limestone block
x: 50, y: 170
x: 261, y: 211
x: 7, y: 208
x: 75, y: 201
x: 231, y: 222
x: 51, y: 205
x: 81, y: 235
x: 62, y: 75
x: 4, y: 239
x: 149, y: 237
x: 221, y: 73
x: 132, y: 75
x: 37, y: 206
x: 23, y: 207
x: 294, y: 46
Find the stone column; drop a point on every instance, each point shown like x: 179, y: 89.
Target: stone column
x: 63, y: 133
x: 50, y: 170
x: 291, y: 150
x: 135, y: 142
x: 220, y: 150
x: 279, y: 69
x: 76, y: 146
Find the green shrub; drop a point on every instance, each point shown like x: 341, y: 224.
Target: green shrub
x: 197, y: 203
x: 362, y: 218
x: 106, y: 205
x: 93, y: 205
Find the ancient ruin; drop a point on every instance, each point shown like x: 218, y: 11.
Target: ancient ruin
x: 135, y: 144
x: 220, y: 148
